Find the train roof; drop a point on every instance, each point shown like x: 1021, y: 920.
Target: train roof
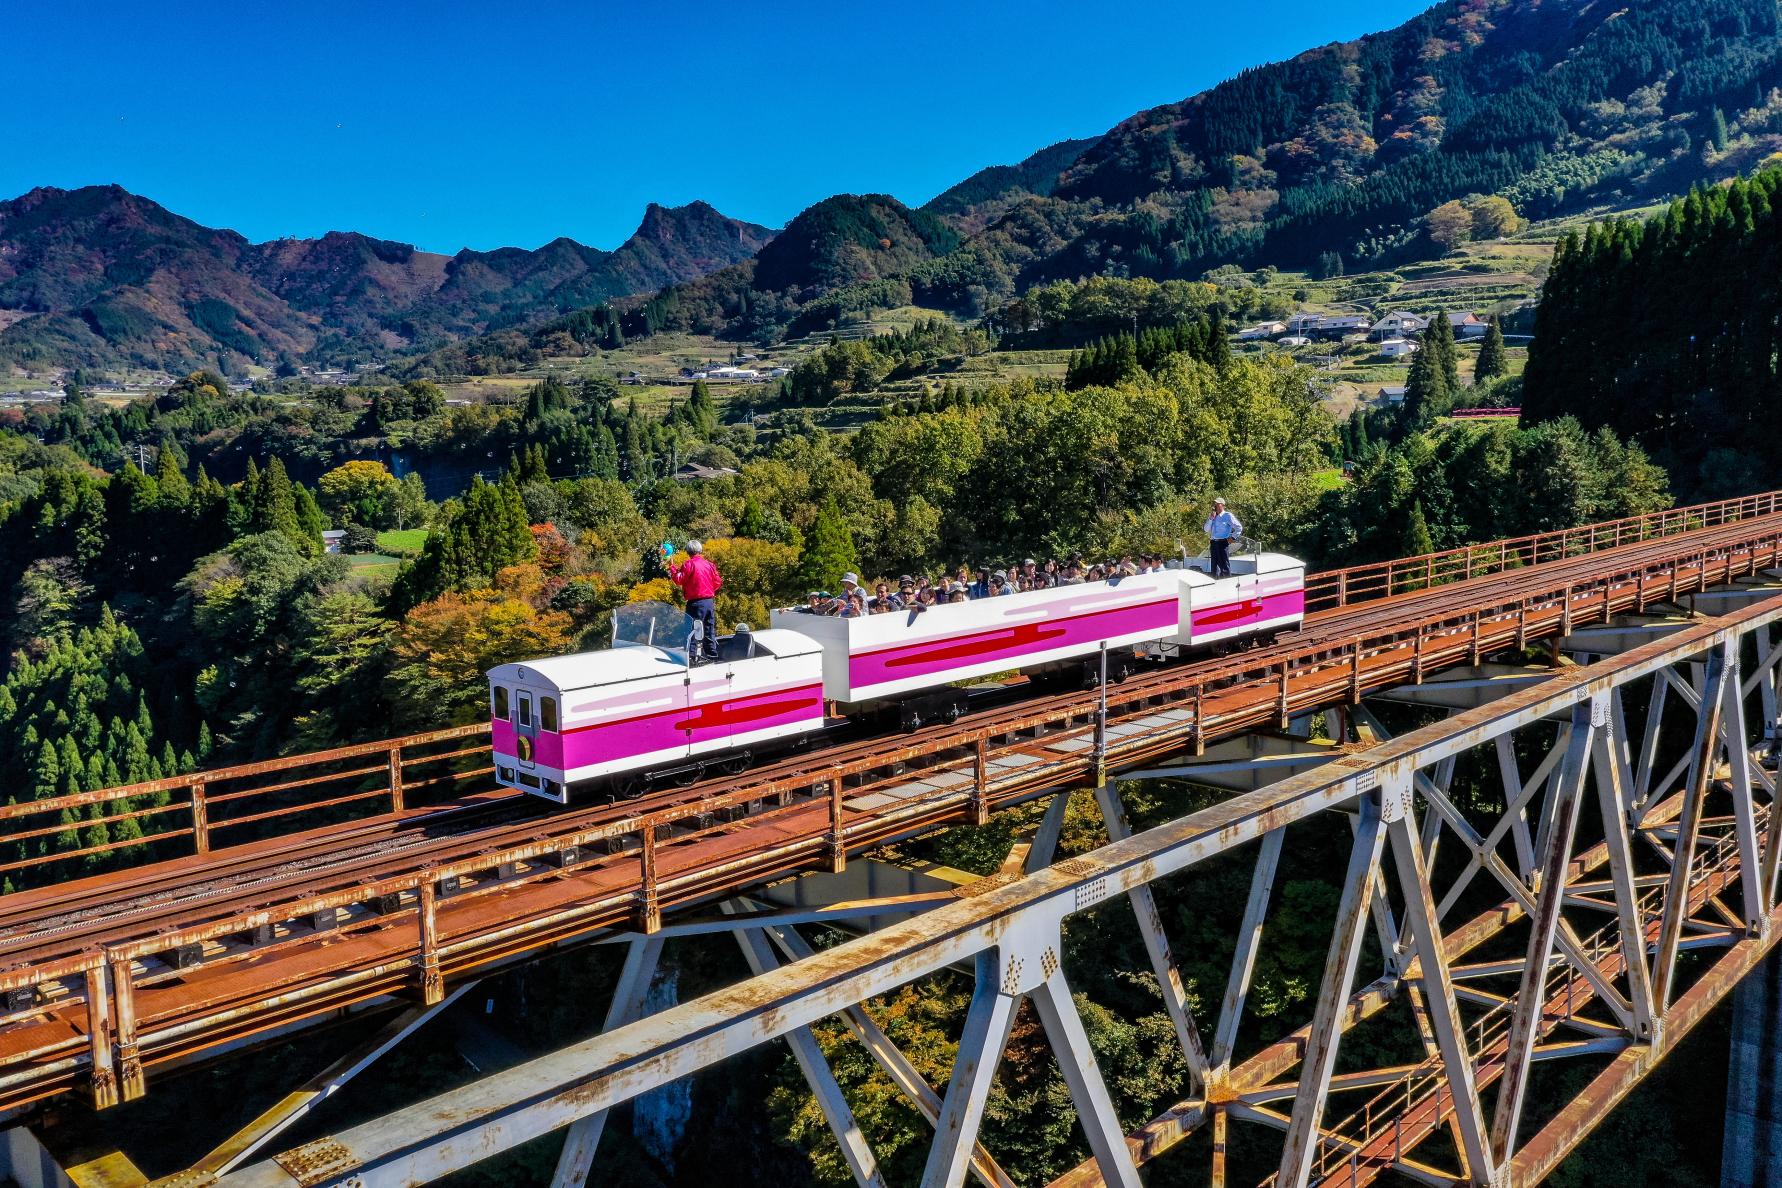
x: 608, y: 666
x: 605, y: 666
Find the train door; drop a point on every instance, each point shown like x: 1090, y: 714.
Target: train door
x: 526, y: 728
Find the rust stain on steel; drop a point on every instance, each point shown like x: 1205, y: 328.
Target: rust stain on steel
x: 318, y: 1162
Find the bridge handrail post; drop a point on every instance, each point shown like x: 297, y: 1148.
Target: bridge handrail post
x: 649, y: 905
x: 123, y: 998
x: 838, y: 848
x: 427, y: 925
x: 200, y: 818
x: 980, y: 780
x: 396, y: 790
x: 99, y: 1036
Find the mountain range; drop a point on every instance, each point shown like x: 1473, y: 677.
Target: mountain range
x: 1332, y: 158
x: 102, y: 278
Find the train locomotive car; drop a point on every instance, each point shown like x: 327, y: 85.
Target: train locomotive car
x: 637, y: 708
x: 621, y: 717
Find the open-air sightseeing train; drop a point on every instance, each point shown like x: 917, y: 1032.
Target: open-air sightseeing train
x: 609, y: 722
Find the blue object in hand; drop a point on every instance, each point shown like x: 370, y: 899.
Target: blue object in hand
x: 667, y: 549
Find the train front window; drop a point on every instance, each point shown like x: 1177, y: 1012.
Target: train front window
x: 524, y: 717
x: 500, y: 703
x: 547, y: 713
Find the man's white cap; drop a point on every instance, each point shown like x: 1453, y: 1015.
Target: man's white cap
x: 694, y: 546
x: 1216, y: 500
x: 850, y: 579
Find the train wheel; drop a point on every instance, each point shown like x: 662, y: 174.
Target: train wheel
x: 627, y: 786
x: 735, y: 765
x: 687, y: 777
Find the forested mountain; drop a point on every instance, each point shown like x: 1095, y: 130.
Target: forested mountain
x: 977, y: 201
x: 1346, y: 151
x: 104, y: 278
x: 1353, y: 152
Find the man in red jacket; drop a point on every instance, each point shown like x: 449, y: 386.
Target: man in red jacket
x: 700, y: 582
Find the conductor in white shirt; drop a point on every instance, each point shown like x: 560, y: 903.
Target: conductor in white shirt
x: 1222, y: 527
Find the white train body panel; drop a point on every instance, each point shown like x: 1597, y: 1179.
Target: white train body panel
x: 878, y: 657
x: 638, y: 708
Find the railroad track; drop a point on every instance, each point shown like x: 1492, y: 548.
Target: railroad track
x: 514, y: 879
x: 44, y: 923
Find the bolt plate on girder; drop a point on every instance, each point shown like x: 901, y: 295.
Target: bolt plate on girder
x: 317, y: 1162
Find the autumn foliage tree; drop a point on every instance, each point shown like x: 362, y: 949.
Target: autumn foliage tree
x: 446, y: 645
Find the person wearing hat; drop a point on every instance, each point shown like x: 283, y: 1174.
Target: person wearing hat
x: 1222, y: 528
x: 700, y: 582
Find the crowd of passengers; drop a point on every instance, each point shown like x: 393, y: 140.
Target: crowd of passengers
x: 920, y: 592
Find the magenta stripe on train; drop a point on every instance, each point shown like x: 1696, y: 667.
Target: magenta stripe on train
x: 1008, y: 644
x: 1247, y: 612
x: 671, y: 729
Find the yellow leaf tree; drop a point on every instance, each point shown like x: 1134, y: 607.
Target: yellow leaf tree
x: 444, y: 648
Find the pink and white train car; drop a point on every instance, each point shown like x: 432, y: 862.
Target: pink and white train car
x: 637, y: 710
x: 640, y: 708
x: 886, y: 657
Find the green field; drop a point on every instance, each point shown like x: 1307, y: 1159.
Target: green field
x: 407, y: 540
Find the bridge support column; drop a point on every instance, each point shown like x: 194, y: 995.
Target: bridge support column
x: 583, y: 1137
x: 1751, y: 1152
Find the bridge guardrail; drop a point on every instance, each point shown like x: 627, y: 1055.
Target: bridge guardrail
x: 1383, y: 579
x: 204, y: 806
x: 219, y: 805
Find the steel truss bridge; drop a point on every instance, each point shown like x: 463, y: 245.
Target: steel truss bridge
x: 1630, y: 879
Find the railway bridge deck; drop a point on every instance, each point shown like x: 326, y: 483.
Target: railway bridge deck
x: 102, y: 978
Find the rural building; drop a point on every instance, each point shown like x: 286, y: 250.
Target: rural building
x: 1393, y: 393
x: 693, y: 472
x: 1467, y: 325
x: 1399, y: 324
x: 1261, y: 331
x: 1398, y: 348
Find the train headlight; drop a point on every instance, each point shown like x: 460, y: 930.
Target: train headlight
x: 523, y: 748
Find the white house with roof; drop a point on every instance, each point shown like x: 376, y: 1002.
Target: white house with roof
x: 1398, y: 348
x: 1260, y: 331
x: 1399, y: 324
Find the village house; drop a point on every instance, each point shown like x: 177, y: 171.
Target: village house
x: 1260, y: 331
x: 1393, y: 393
x: 1467, y: 325
x: 1337, y: 326
x: 1398, y: 348
x: 1399, y: 324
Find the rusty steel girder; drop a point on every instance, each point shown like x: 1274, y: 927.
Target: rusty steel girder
x: 1689, y: 859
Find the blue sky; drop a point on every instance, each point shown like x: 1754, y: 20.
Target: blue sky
x: 453, y: 124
